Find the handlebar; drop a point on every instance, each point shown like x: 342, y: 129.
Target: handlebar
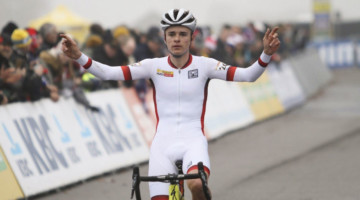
x: 167, y: 178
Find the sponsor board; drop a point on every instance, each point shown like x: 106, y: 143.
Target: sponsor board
x: 286, y: 85
x: 9, y: 188
x: 337, y: 54
x: 143, y: 113
x: 50, y: 145
x: 262, y: 97
x: 226, y: 109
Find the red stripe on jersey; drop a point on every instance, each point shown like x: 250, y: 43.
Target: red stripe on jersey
x: 230, y: 73
x: 160, y: 197
x: 183, y: 67
x: 154, y: 98
x: 204, y: 105
x: 127, y: 73
x: 195, y: 167
x: 262, y: 63
x: 88, y: 64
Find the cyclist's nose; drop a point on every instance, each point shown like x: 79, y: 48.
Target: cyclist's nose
x: 177, y: 38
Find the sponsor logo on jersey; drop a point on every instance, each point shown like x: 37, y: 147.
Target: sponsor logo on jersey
x: 193, y: 73
x: 189, y: 164
x: 221, y: 66
x: 165, y: 73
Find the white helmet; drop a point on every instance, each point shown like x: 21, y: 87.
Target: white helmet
x: 178, y: 17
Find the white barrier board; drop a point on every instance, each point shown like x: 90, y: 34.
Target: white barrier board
x: 286, y: 85
x: 50, y: 145
x: 226, y: 109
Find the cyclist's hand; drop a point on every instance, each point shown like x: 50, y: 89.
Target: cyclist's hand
x: 69, y: 47
x: 271, y: 41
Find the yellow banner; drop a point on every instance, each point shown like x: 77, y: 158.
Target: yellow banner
x: 321, y: 6
x: 262, y: 98
x: 9, y: 187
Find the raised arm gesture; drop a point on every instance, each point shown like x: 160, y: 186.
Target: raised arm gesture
x: 69, y: 47
x: 271, y: 41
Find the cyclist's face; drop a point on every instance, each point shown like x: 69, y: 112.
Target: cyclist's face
x: 178, y: 40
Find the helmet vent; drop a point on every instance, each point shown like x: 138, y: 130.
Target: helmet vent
x: 176, y: 12
x: 186, y: 13
x: 167, y: 16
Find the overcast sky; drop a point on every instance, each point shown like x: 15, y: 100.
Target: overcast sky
x: 142, y: 13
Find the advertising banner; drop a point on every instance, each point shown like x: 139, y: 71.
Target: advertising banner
x: 337, y: 54
x: 50, y: 145
x: 143, y: 113
x: 226, y: 109
x: 357, y: 50
x: 322, y: 19
x: 262, y: 97
x: 286, y: 84
x: 310, y: 71
x: 9, y: 187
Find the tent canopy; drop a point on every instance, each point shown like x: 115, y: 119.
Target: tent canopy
x: 65, y: 21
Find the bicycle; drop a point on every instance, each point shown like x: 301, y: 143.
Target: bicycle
x: 176, y: 188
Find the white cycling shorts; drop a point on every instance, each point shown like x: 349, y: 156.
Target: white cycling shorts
x: 165, y: 151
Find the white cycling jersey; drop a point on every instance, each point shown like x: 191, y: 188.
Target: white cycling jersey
x: 180, y: 102
x: 180, y: 94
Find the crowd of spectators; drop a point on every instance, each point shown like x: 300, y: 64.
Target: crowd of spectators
x: 33, y: 65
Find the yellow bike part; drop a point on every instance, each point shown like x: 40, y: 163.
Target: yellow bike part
x: 174, y: 192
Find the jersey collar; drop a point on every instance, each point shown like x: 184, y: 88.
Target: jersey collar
x: 183, y: 67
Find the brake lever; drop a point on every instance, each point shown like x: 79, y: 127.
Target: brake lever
x: 203, y: 178
x: 136, y: 181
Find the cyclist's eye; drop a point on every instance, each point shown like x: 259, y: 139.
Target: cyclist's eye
x: 171, y: 34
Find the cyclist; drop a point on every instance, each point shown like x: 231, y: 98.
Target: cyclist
x: 180, y: 83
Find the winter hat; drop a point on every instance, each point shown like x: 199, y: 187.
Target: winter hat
x: 120, y: 31
x: 9, y: 28
x: 20, y: 38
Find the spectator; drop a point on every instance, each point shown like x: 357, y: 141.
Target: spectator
x: 21, y: 62
x: 49, y: 35
x: 5, y: 51
x: 33, y: 86
x: 94, y: 39
x: 209, y: 46
x: 36, y: 41
x: 3, y: 98
x: 223, y: 51
x: 8, y: 74
x: 97, y: 29
x: 53, y: 66
x: 301, y: 38
x: 111, y: 54
x: 66, y: 75
x: 9, y: 28
x: 197, y: 43
x: 120, y: 32
x: 236, y: 41
x: 21, y: 41
x: 91, y: 43
x: 153, y: 47
x: 128, y: 46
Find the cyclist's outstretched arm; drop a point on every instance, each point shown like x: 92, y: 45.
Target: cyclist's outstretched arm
x: 102, y: 71
x: 271, y: 44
